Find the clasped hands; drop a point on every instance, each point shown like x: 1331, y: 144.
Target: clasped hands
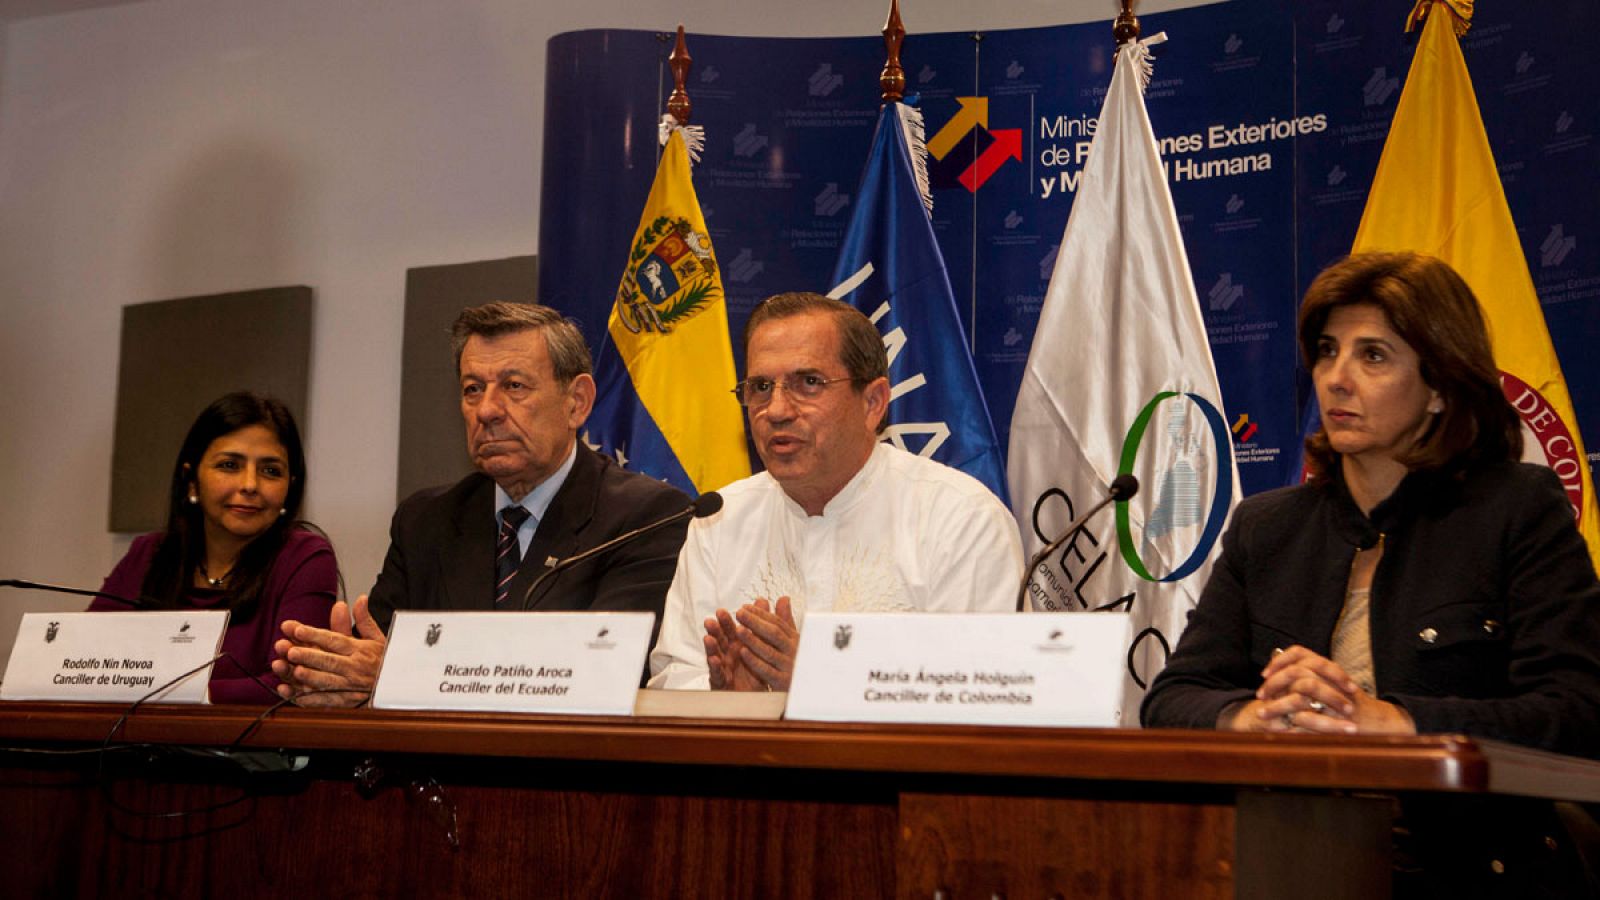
x: 1302, y: 691
x: 752, y: 649
x: 333, y: 666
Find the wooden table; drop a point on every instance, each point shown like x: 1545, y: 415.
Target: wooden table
x: 484, y: 805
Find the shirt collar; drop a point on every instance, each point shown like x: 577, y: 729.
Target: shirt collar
x: 537, y: 501
x: 851, y: 493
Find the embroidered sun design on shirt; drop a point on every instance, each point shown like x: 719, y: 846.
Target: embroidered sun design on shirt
x: 779, y: 578
x: 868, y: 583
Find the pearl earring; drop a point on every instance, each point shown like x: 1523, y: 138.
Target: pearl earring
x: 193, y: 499
x: 283, y: 510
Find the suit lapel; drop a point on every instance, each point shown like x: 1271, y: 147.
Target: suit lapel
x: 560, y: 530
x: 467, y: 563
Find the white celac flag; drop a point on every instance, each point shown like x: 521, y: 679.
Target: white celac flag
x: 1120, y: 379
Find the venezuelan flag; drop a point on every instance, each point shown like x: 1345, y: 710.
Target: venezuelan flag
x: 666, y: 374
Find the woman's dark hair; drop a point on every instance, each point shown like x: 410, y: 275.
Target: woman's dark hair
x: 183, y: 546
x: 1431, y: 307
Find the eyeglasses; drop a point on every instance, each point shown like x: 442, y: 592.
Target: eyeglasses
x: 757, y: 392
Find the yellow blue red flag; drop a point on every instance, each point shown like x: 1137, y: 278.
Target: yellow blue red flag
x: 1437, y: 191
x: 665, y: 373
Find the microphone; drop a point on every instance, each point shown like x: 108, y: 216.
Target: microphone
x: 702, y: 506
x: 56, y: 588
x: 1123, y: 487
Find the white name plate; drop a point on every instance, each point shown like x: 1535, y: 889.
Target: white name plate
x: 580, y: 662
x: 113, y: 657
x: 975, y: 669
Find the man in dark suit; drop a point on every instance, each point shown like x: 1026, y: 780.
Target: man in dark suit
x: 539, y: 496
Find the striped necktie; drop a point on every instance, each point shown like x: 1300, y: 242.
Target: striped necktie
x: 506, y: 557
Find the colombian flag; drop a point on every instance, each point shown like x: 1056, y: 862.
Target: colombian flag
x: 1437, y: 192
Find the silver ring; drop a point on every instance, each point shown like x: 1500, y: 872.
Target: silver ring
x: 1316, y: 706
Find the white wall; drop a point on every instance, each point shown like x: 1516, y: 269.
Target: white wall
x: 176, y: 147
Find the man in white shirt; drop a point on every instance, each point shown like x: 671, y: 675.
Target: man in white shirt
x: 838, y: 521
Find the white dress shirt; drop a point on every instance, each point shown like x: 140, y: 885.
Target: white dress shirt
x: 906, y: 534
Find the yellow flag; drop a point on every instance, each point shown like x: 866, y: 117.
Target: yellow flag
x: 1437, y: 192
x: 670, y: 327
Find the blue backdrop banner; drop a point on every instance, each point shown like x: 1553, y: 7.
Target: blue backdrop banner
x: 1270, y: 116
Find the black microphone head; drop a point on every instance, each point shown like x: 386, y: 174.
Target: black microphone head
x: 1124, y: 486
x: 706, y: 504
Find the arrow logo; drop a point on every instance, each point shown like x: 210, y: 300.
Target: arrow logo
x: 974, y: 112
x: 1243, y: 428
x: 1007, y: 145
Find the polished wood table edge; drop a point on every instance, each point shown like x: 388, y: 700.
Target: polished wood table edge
x: 1431, y: 763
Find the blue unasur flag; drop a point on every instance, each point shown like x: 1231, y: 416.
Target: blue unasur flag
x: 890, y: 268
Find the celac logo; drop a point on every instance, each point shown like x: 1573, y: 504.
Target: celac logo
x: 1336, y: 175
x: 1234, y: 204
x: 926, y: 74
x: 1563, y: 122
x: 1232, y: 44
x: 1335, y: 23
x: 1524, y: 63
x: 974, y: 114
x: 1172, y: 473
x: 709, y: 74
x: 1012, y: 220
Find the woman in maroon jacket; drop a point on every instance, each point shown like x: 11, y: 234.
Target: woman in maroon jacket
x: 234, y: 541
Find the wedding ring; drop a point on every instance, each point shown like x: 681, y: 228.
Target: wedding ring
x: 1316, y: 706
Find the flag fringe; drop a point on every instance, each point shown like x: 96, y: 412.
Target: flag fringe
x: 911, y: 125
x: 694, y: 136
x: 1138, y: 53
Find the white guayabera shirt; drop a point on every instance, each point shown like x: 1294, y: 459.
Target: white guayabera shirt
x: 905, y: 535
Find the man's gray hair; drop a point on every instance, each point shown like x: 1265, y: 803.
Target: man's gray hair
x: 569, y: 355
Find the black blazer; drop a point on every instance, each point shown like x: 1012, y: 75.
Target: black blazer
x: 1485, y: 607
x: 441, y: 545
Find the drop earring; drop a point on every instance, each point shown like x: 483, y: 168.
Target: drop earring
x: 193, y: 499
